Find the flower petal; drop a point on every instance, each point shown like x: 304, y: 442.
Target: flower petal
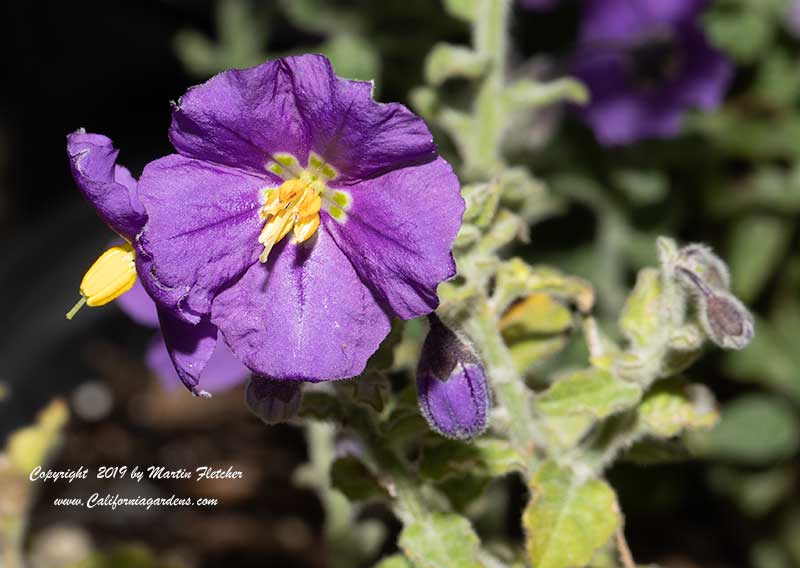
x: 625, y: 20
x: 139, y: 306
x: 708, y: 72
x: 189, y: 346
x: 109, y: 188
x: 223, y: 370
x: 349, y: 129
x: 305, y: 315
x: 399, y: 232
x: 241, y: 118
x: 202, y: 231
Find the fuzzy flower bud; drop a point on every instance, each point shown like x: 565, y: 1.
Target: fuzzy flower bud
x: 273, y: 401
x: 451, y: 383
x: 724, y: 318
x: 701, y: 260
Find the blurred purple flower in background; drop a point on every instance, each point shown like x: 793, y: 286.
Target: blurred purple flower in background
x: 645, y: 63
x: 223, y: 369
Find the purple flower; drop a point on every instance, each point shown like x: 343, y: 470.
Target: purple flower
x: 296, y: 218
x: 223, y: 369
x: 451, y: 385
x: 645, y: 63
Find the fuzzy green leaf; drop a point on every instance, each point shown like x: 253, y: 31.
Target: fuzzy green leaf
x: 758, y: 243
x: 673, y: 405
x: 592, y: 391
x: 640, y: 319
x: 447, y: 61
x: 754, y: 429
x: 441, y: 540
x: 567, y: 519
x: 463, y: 9
x: 394, y: 561
x: 350, y: 476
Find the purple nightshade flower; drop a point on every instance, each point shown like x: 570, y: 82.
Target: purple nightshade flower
x: 645, y: 63
x: 296, y: 218
x: 223, y: 369
x: 451, y: 384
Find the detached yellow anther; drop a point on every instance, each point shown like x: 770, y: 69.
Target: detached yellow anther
x: 111, y: 275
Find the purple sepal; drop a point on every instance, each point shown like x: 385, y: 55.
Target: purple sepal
x: 451, y: 384
x: 108, y: 187
x: 190, y: 347
x: 273, y: 401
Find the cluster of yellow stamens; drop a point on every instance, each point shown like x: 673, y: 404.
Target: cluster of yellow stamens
x: 296, y: 203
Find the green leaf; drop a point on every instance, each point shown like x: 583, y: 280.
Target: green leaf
x: 579, y: 399
x: 640, y: 319
x: 745, y: 35
x: 350, y: 476
x: 673, y: 405
x: 447, y: 61
x: 441, y: 540
x: 492, y: 457
x: 769, y: 360
x: 352, y: 57
x: 394, y: 561
x: 537, y: 314
x: 592, y: 391
x: 463, y: 490
x: 529, y: 353
x: 754, y: 429
x: 755, y: 492
x: 643, y: 187
x: 30, y: 446
x: 462, y: 9
x: 758, y: 242
x: 567, y: 519
x: 652, y: 451
x: 526, y: 93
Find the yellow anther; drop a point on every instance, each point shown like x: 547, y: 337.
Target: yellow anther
x: 309, y: 205
x: 111, y: 275
x: 305, y: 228
x: 294, y: 205
x: 291, y: 189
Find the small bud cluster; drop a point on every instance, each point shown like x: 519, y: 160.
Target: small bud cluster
x: 724, y: 318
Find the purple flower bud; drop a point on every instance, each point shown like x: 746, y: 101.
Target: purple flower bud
x: 724, y: 318
x: 451, y: 384
x: 273, y: 401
